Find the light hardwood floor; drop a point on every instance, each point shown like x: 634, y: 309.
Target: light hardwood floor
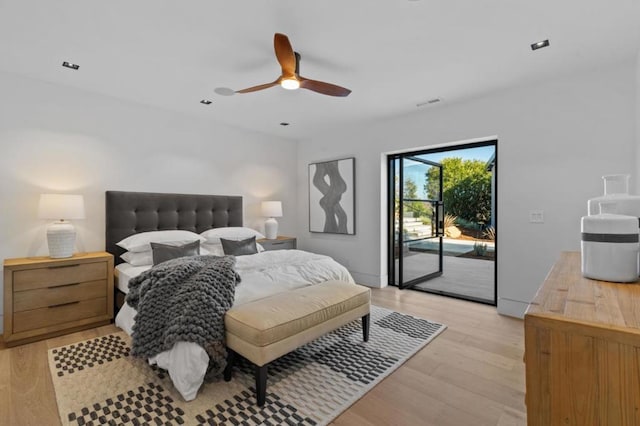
x: 472, y: 374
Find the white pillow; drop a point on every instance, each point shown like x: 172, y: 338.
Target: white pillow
x: 141, y: 242
x: 143, y: 258
x: 214, y: 249
x: 235, y: 233
x: 217, y: 250
x: 138, y: 259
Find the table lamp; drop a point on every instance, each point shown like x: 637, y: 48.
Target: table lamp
x: 61, y: 235
x: 271, y: 209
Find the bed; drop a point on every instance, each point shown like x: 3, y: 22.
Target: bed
x: 263, y: 274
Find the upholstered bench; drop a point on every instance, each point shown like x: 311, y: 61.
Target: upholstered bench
x: 264, y: 330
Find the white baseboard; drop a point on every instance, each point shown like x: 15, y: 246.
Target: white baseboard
x: 369, y: 280
x: 512, y: 308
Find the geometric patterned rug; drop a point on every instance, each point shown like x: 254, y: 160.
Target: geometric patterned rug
x: 97, y: 381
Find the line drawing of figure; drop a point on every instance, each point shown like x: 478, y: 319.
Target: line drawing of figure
x: 335, y: 216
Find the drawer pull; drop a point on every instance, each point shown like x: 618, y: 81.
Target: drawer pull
x: 63, y: 285
x: 63, y: 304
x: 279, y: 243
x: 63, y: 266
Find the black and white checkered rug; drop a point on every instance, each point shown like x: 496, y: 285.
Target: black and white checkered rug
x: 98, y: 382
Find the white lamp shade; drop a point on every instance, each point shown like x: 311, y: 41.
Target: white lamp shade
x: 61, y: 206
x: 272, y: 208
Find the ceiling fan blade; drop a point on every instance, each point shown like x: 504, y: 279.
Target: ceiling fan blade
x: 260, y: 87
x: 324, y: 88
x: 284, y: 53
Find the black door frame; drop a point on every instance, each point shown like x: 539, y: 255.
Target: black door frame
x: 390, y: 216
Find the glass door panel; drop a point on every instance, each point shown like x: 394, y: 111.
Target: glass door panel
x: 417, y: 220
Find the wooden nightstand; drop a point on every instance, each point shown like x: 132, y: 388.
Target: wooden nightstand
x: 46, y: 297
x: 280, y: 243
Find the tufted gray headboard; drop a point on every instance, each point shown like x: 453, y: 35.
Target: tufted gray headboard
x: 129, y: 213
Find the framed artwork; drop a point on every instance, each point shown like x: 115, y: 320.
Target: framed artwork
x: 332, y: 207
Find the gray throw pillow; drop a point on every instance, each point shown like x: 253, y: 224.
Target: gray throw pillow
x: 164, y: 252
x: 239, y: 248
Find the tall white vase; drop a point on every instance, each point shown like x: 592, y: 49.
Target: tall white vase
x: 616, y: 189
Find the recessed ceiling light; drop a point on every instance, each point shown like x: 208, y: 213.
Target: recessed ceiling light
x: 205, y: 102
x: 540, y: 44
x: 284, y: 123
x: 70, y: 65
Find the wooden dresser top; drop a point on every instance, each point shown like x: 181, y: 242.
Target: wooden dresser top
x: 44, y: 261
x: 567, y: 294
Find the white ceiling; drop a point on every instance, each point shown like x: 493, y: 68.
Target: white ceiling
x: 391, y: 54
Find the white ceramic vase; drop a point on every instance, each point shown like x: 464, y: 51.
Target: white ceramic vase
x: 609, y: 246
x: 61, y: 239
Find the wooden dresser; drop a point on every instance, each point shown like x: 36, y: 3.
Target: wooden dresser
x: 45, y: 297
x: 582, y: 350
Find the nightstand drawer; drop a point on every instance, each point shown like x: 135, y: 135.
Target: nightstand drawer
x: 50, y: 316
x: 45, y: 297
x: 58, y: 275
x: 280, y: 243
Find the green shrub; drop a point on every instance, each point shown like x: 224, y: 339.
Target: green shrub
x: 468, y: 224
x: 466, y: 188
x: 479, y: 249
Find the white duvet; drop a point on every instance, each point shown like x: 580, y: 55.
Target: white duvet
x: 262, y: 275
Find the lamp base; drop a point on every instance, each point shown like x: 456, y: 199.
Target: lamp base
x: 61, y: 239
x: 271, y: 229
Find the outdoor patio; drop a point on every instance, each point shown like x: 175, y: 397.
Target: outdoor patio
x: 472, y: 278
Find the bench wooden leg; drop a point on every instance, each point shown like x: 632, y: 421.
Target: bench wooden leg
x: 231, y: 359
x: 365, y: 327
x: 261, y: 384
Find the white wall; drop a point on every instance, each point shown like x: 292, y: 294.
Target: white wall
x: 59, y: 139
x: 636, y: 189
x: 555, y: 139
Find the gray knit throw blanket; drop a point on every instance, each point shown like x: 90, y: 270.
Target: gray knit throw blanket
x: 184, y: 300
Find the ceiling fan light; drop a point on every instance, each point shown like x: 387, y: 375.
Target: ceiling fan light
x: 290, y: 84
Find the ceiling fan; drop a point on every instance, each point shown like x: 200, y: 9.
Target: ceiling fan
x: 291, y: 78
